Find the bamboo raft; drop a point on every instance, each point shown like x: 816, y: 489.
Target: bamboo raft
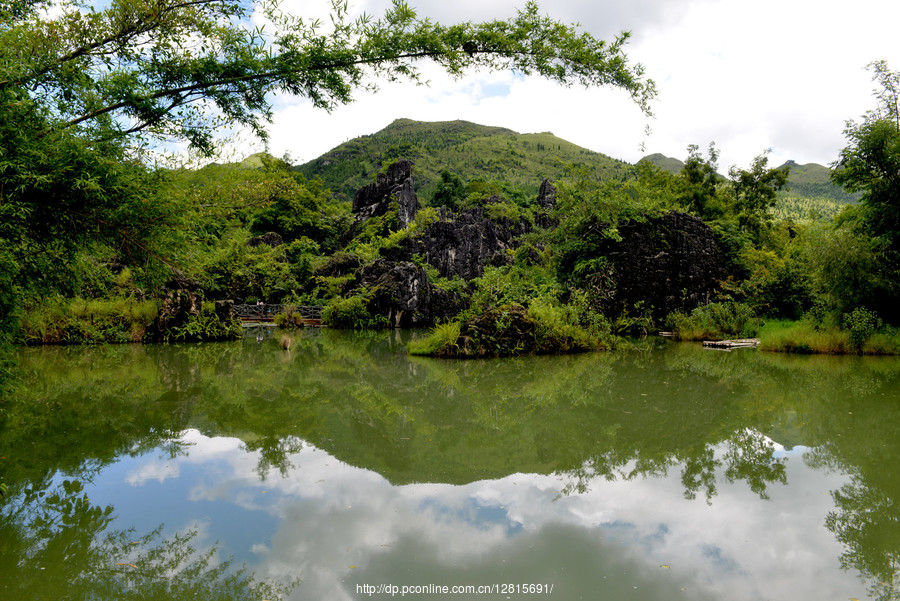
x: 730, y: 344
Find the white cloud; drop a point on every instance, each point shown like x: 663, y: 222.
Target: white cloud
x: 749, y: 76
x: 338, y: 524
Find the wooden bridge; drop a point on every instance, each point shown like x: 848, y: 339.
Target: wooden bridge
x: 311, y: 315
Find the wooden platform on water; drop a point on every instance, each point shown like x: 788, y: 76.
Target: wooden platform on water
x: 730, y: 344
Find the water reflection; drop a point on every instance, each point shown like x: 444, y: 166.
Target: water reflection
x: 344, y: 452
x: 56, y: 543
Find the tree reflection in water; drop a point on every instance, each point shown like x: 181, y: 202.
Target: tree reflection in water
x: 54, y: 541
x: 714, y: 416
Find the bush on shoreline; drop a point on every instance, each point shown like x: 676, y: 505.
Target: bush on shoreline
x: 806, y: 337
x: 87, y: 321
x: 715, y: 321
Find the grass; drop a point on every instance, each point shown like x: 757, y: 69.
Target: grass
x: 87, y: 321
x: 443, y: 340
x: 804, y: 337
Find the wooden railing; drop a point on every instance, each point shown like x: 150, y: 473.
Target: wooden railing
x: 267, y: 312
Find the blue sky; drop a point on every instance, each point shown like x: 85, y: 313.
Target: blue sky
x: 779, y: 74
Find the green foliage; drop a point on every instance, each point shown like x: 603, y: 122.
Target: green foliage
x: 455, y: 285
x: 510, y: 329
x: 861, y: 324
x: 239, y: 271
x: 513, y: 284
x: 807, y: 336
x: 590, y: 212
x: 508, y: 213
x: 792, y: 207
x: 870, y: 163
x: 87, y: 321
x: 715, y: 321
x: 441, y: 341
x: 205, y: 327
x: 700, y: 181
x: 352, y: 313
x: 845, y: 271
x: 755, y: 193
x: 88, y: 88
x: 127, y: 69
x: 450, y: 191
x: 289, y: 318
x: 777, y: 282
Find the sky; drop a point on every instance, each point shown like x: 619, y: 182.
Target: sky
x: 783, y: 75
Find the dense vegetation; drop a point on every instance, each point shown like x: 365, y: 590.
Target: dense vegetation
x: 90, y: 221
x: 88, y: 90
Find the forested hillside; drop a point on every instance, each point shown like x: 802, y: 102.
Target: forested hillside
x: 471, y: 151
x: 809, y: 195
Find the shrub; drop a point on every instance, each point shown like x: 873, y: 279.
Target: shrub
x: 543, y: 328
x: 715, y: 321
x: 289, y: 318
x: 81, y: 321
x: 442, y: 341
x: 205, y: 326
x: 352, y: 313
x: 861, y: 324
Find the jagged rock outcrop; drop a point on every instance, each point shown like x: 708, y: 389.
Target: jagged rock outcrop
x: 395, y: 185
x: 546, y: 202
x: 670, y: 263
x: 272, y: 239
x: 463, y: 245
x: 401, y: 292
x: 178, y: 306
x: 547, y: 196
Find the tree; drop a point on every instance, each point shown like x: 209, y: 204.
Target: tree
x: 85, y: 89
x: 700, y: 180
x: 755, y: 193
x: 450, y: 191
x: 182, y: 68
x: 870, y: 163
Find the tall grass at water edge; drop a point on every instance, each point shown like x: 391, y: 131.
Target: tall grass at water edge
x: 805, y: 337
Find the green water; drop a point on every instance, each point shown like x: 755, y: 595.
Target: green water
x: 343, y: 465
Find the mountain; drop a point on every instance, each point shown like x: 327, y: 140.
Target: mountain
x: 814, y: 181
x: 809, y: 194
x: 665, y: 163
x: 469, y: 150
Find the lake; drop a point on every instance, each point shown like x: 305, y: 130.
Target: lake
x: 344, y: 469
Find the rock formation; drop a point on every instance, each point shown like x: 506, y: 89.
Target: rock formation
x: 670, y: 263
x: 395, y: 185
x: 272, y: 239
x: 462, y: 246
x: 401, y: 292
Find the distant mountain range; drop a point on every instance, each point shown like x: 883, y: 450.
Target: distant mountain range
x: 522, y: 161
x: 804, y: 181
